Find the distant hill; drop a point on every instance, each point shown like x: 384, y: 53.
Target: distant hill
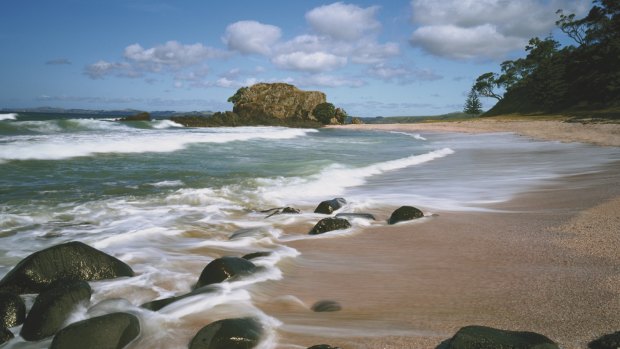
x: 416, y: 119
x: 123, y: 112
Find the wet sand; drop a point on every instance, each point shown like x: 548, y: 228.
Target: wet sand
x: 546, y: 261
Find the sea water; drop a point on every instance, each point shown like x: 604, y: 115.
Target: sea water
x: 167, y: 199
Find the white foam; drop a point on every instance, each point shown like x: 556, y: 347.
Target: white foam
x: 333, y: 180
x: 162, y: 124
x: 414, y: 135
x: 57, y: 147
x: 9, y: 116
x: 167, y: 184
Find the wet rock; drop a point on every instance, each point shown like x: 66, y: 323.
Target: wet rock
x: 144, y: 116
x: 111, y: 331
x: 161, y: 303
x: 329, y: 206
x: 248, y: 232
x: 65, y: 262
x: 254, y: 255
x: 608, y: 341
x: 405, y: 213
x: 481, y: 337
x: 12, y: 310
x: 52, y: 308
x: 5, y: 335
x: 367, y: 216
x: 326, y: 306
x: 243, y: 333
x: 281, y: 210
x: 323, y: 346
x: 329, y: 224
x: 224, y: 268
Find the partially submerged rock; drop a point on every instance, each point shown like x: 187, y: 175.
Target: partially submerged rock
x: 5, y: 335
x: 281, y: 210
x: 323, y: 346
x: 329, y: 224
x: 225, y: 268
x: 52, y: 308
x: 326, y: 306
x: 243, y: 333
x: 254, y: 255
x: 481, y: 337
x: 329, y: 206
x: 367, y: 216
x: 608, y: 341
x: 12, y: 310
x: 111, y: 331
x: 143, y: 116
x: 161, y: 303
x: 65, y: 262
x: 405, y: 213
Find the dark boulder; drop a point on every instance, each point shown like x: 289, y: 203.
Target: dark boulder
x: 65, y: 262
x: 243, y: 333
x: 326, y: 306
x: 405, y: 213
x: 608, y: 341
x: 144, y: 116
x: 481, y: 337
x: 329, y: 224
x: 323, y: 346
x: 254, y: 255
x: 5, y: 335
x: 224, y: 268
x: 368, y: 216
x: 111, y: 331
x: 161, y: 303
x: 329, y: 206
x: 12, y: 310
x: 52, y: 308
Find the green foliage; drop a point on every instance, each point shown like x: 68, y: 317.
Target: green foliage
x: 235, y: 98
x: 472, y: 104
x: 324, y: 112
x: 550, y: 79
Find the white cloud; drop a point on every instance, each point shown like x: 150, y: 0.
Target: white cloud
x: 310, y: 62
x: 481, y: 29
x: 343, y: 21
x: 465, y: 43
x: 172, y: 54
x: 100, y: 69
x: 250, y: 37
x: 373, y: 52
x: 324, y: 80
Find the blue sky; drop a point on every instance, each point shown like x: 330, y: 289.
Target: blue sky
x: 417, y: 57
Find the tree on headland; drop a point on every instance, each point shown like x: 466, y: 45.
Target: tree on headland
x: 472, y: 104
x: 327, y: 114
x: 551, y: 78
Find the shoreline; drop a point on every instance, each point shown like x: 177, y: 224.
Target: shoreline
x: 544, y: 261
x: 552, y: 130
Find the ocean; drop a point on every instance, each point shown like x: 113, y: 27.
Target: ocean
x: 167, y: 200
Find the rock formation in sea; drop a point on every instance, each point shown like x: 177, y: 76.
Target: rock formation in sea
x: 242, y: 333
x: 272, y: 104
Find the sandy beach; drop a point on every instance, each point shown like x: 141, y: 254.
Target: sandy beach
x: 545, y: 261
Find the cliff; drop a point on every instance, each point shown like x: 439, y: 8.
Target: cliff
x: 278, y: 100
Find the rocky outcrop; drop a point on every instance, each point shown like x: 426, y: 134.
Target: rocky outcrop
x: 12, y: 310
x: 329, y: 206
x: 224, y: 268
x: 52, y: 308
x: 405, y: 213
x: 144, y: 116
x: 243, y: 333
x: 481, y: 337
x: 329, y: 224
x: 277, y: 100
x: 5, y: 335
x: 111, y: 331
x: 70, y: 261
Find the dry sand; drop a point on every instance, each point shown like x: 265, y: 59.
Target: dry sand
x: 595, y: 133
x: 547, y: 261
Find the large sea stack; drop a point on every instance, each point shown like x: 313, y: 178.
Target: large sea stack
x: 277, y: 100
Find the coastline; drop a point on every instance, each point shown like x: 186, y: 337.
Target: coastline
x: 553, y: 130
x: 544, y: 261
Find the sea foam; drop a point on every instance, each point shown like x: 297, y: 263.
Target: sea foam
x: 9, y: 116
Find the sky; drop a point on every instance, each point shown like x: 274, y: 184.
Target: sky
x: 372, y: 58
